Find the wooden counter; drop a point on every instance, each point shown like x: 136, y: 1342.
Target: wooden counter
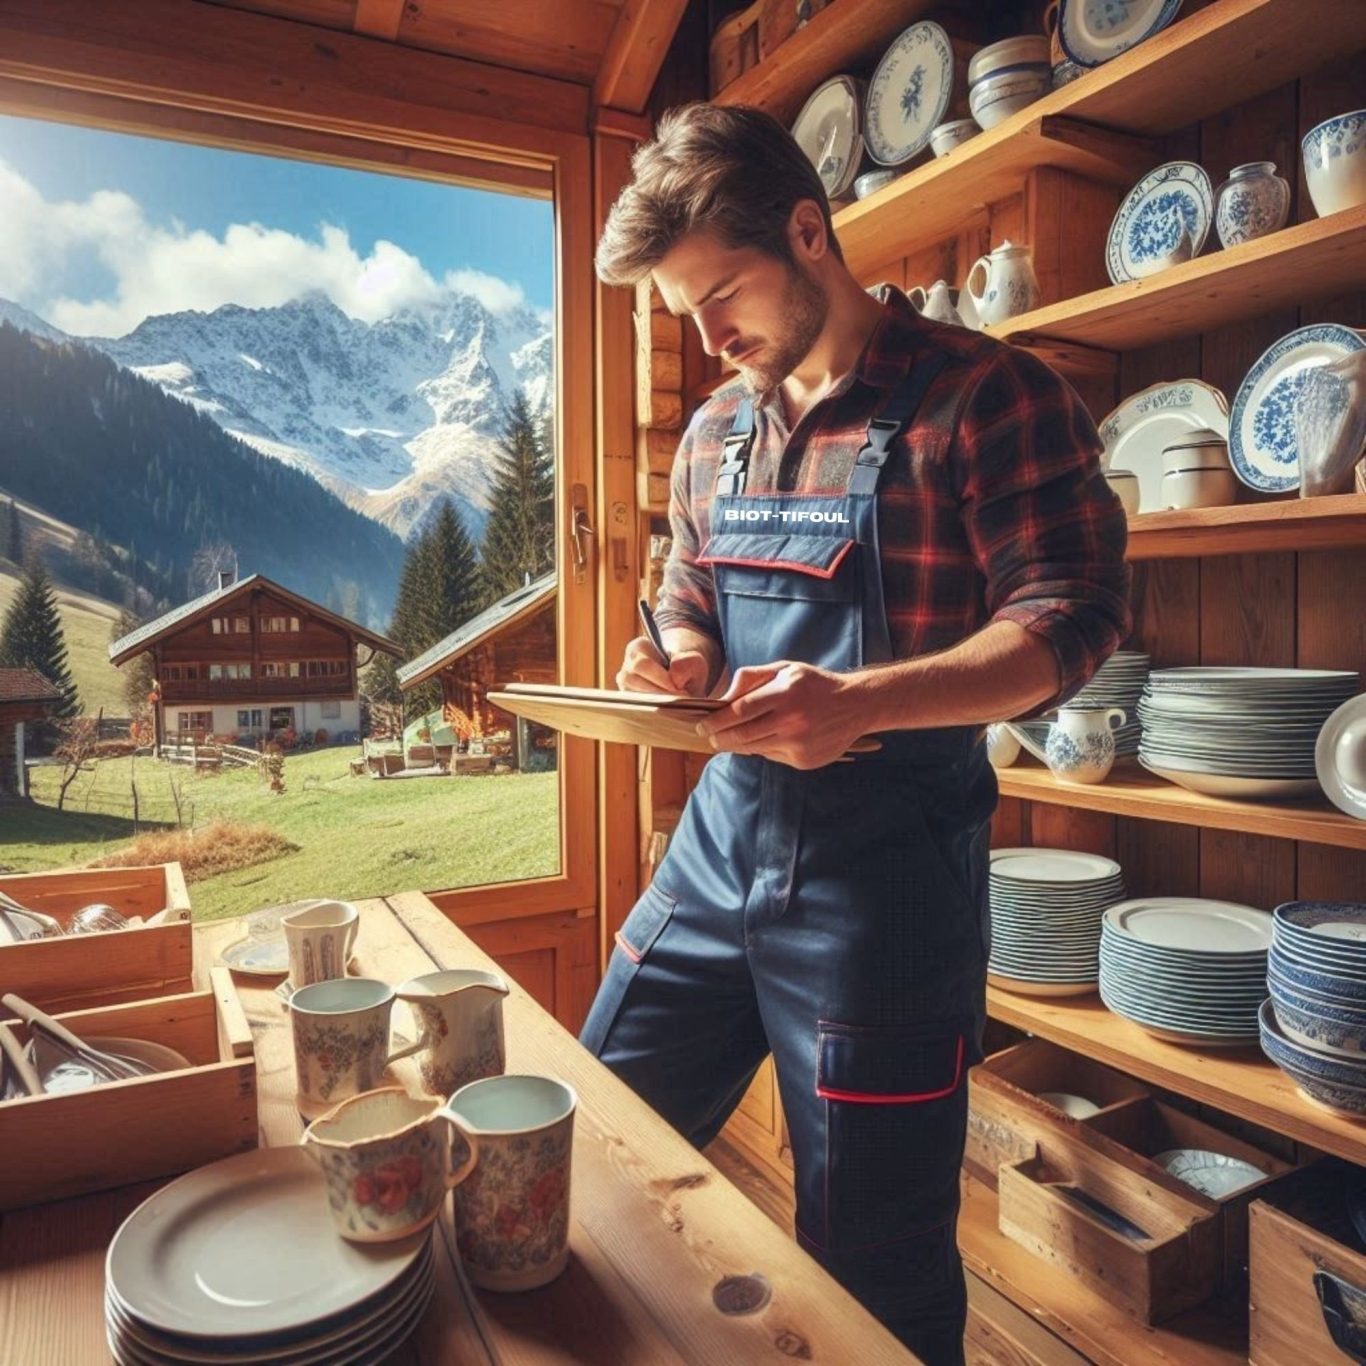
x: 654, y: 1226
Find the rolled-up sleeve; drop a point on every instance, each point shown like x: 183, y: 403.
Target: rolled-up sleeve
x: 688, y: 594
x: 1047, y: 531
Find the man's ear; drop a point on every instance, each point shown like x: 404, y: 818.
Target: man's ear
x: 806, y: 231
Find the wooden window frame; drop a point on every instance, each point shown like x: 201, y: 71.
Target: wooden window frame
x: 253, y: 82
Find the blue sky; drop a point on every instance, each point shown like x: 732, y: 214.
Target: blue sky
x: 99, y: 229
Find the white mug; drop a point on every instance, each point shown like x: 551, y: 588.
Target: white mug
x: 341, y: 1040
x: 320, y: 938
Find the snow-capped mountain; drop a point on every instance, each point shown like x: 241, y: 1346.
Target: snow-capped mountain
x: 390, y: 416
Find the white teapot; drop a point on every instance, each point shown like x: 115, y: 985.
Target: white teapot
x: 935, y: 303
x: 1081, y: 743
x: 1009, y: 286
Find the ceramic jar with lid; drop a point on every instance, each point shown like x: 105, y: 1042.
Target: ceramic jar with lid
x: 1252, y: 202
x: 1196, y: 472
x: 1125, y: 484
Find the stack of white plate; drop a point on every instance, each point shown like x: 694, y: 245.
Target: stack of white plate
x: 1119, y: 682
x: 1187, y: 969
x: 1046, y: 909
x: 240, y: 1260
x: 1236, y: 732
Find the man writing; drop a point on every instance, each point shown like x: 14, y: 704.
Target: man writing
x: 883, y: 526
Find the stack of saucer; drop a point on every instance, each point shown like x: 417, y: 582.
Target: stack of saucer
x: 1239, y: 732
x: 1187, y: 969
x: 1046, y: 910
x: 240, y: 1260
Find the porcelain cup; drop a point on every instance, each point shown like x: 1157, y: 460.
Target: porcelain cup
x: 341, y: 1040
x: 512, y: 1214
x: 1125, y: 484
x: 320, y: 939
x: 387, y: 1160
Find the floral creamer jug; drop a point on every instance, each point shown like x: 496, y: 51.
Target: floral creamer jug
x: 1080, y: 744
x: 460, y: 1014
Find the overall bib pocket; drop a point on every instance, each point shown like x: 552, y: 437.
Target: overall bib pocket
x: 896, y: 1116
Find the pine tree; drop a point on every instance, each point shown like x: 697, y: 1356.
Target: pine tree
x: 519, y: 539
x: 11, y: 535
x: 31, y: 636
x: 451, y: 572
x: 410, y: 627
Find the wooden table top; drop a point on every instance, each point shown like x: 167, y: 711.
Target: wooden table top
x: 654, y: 1226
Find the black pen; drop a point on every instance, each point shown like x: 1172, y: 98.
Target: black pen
x: 652, y: 630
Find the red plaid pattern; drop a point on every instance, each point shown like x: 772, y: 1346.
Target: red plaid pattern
x: 993, y: 506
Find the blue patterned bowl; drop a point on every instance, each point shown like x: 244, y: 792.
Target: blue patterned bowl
x: 1341, y: 989
x: 1335, y: 162
x: 1296, y: 922
x: 1335, y: 1082
x: 1340, y: 1030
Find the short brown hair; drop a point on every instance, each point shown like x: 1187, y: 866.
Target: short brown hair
x: 729, y: 170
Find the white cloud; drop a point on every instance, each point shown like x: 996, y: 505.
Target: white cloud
x: 166, y: 269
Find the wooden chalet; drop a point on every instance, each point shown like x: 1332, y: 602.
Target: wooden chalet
x: 549, y: 99
x: 26, y: 697
x: 513, y: 641
x: 252, y: 658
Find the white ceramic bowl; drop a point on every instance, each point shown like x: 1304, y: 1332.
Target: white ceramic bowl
x: 1027, y: 49
x: 1335, y: 162
x: 996, y: 98
x: 1125, y: 484
x: 1199, y: 488
x: 870, y: 182
x: 946, y: 136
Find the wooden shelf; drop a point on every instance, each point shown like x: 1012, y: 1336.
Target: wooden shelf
x: 1213, y: 59
x: 841, y: 37
x: 1323, y: 256
x: 1240, y: 1081
x: 1084, y: 1320
x: 1133, y: 791
x: 1332, y: 523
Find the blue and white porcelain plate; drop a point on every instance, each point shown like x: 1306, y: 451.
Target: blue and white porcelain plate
x: 1173, y: 199
x: 909, y: 94
x: 1094, y: 31
x: 1261, y: 440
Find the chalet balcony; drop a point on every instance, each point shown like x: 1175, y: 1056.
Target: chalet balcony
x: 261, y: 689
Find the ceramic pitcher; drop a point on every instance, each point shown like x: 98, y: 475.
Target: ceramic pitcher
x: 1008, y: 285
x: 1080, y: 744
x: 460, y: 1015
x: 388, y: 1162
x: 320, y: 936
x: 935, y: 303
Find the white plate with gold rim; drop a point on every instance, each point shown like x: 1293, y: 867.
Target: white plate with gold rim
x: 243, y: 1247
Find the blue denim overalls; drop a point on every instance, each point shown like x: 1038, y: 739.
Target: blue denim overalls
x: 837, y: 917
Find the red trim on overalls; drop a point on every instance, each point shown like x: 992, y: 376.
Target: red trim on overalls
x: 869, y: 1098
x: 811, y: 569
x: 626, y: 948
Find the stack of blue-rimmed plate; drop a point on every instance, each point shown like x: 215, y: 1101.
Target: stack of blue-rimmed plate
x: 1239, y: 732
x: 1187, y: 969
x: 1316, y: 1031
x: 1046, y: 909
x: 1119, y: 682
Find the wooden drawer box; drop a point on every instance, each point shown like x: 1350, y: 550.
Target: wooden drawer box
x: 1174, y: 1267
x: 1301, y: 1231
x: 1148, y: 1127
x: 88, y: 970
x: 57, y: 1146
x: 1006, y: 1118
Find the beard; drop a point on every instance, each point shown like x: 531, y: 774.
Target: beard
x: 804, y: 308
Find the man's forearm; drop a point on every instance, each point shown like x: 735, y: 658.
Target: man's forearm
x: 1001, y: 672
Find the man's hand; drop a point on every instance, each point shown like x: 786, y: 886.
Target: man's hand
x: 695, y: 658
x: 795, y: 714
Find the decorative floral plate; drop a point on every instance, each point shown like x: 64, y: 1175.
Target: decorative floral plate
x: 1262, y: 446
x: 828, y: 131
x: 1136, y: 432
x: 1094, y: 31
x: 909, y: 94
x: 1147, y: 229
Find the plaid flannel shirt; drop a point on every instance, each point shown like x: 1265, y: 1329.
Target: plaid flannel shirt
x: 993, y: 506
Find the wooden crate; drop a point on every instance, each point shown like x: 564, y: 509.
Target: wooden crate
x: 1146, y: 1127
x: 89, y: 970
x: 1175, y: 1268
x: 1006, y: 1118
x: 1301, y: 1229
x: 146, y: 1127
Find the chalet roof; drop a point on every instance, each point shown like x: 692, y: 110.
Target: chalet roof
x: 513, y: 608
x: 136, y: 642
x: 26, y: 685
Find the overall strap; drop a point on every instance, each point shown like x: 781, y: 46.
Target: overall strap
x: 736, y: 449
x: 884, y: 429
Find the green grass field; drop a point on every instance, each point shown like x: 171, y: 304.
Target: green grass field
x: 85, y: 624
x: 356, y: 837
